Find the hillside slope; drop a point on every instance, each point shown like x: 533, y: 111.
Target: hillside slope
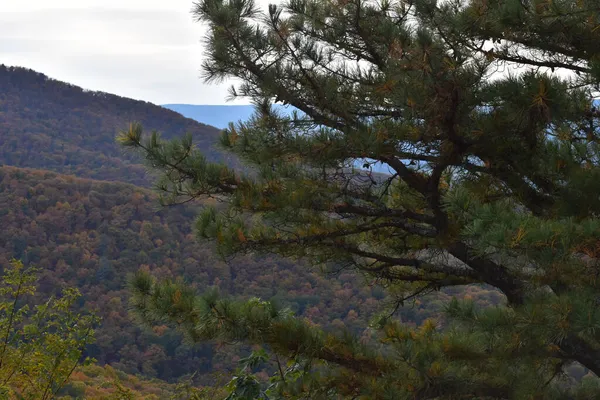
x: 48, y: 124
x: 92, y: 234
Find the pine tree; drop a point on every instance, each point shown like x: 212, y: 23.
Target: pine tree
x: 482, y: 112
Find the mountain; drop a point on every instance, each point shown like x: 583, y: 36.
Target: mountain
x: 92, y: 234
x: 220, y: 116
x: 48, y: 124
x: 217, y: 116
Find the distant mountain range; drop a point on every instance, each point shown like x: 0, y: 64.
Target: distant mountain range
x: 219, y: 116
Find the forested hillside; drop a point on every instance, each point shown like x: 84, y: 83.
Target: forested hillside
x: 53, y: 125
x: 96, y: 382
x: 92, y: 234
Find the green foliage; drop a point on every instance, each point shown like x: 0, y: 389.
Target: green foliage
x: 245, y: 385
x: 476, y: 354
x: 40, y: 345
x: 493, y: 181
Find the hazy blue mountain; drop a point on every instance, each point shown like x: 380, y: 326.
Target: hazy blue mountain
x: 217, y: 116
x: 221, y: 116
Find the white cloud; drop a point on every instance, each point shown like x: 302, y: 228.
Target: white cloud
x: 144, y: 49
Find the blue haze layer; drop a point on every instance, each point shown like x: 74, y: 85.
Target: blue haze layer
x: 221, y: 116
x: 217, y: 116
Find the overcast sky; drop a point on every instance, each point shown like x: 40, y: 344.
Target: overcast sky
x: 144, y: 49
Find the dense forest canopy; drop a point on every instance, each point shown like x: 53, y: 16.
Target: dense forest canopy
x: 92, y: 234
x: 484, y: 111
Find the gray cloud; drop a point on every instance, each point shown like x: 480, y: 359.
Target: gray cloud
x: 151, y: 54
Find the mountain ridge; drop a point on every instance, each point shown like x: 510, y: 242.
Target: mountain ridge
x: 49, y: 124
